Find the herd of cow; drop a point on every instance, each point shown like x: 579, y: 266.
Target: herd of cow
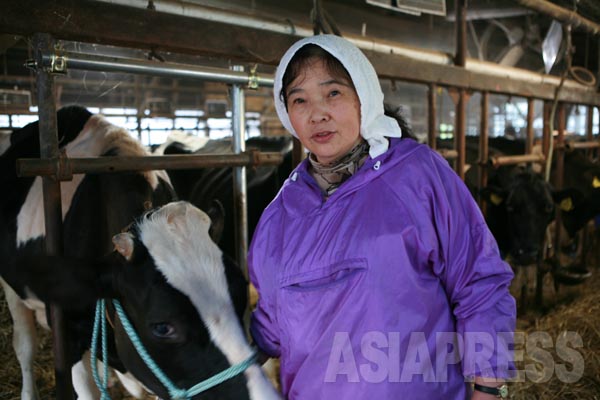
x: 129, y: 237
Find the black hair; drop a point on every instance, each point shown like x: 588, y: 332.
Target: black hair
x: 396, y: 113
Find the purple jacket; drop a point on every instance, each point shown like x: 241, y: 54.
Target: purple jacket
x: 393, y: 288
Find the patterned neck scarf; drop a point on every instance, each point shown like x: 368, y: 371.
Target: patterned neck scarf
x: 329, y: 177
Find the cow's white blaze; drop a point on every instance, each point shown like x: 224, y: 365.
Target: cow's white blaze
x: 177, y: 238
x: 97, y: 137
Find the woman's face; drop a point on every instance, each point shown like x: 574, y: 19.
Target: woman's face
x: 324, y: 111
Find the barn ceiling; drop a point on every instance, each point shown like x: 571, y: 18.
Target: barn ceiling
x: 500, y: 31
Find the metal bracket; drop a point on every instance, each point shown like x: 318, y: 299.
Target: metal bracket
x: 58, y: 64
x: 64, y: 169
x: 253, y: 78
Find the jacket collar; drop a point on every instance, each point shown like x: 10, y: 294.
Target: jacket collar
x: 301, y: 195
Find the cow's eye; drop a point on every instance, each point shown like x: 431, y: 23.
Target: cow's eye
x: 549, y: 208
x: 163, y: 330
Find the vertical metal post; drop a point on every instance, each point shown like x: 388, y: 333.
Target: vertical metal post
x: 560, y: 161
x: 547, y: 135
x: 590, y: 131
x: 239, y: 173
x: 52, y: 208
x: 530, y: 115
x: 460, y: 130
x: 432, y: 114
x: 460, y: 60
x: 483, y: 146
x: 138, y: 106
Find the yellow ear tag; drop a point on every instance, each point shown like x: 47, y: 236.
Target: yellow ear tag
x: 566, y: 204
x: 596, y: 183
x: 495, y: 199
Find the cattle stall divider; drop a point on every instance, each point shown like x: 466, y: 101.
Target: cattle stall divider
x: 48, y: 134
x: 61, y: 62
x: 55, y: 166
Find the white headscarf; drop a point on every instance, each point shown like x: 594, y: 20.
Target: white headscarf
x: 374, y: 125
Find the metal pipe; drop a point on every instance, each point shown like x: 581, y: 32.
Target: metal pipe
x: 594, y: 144
x: 460, y: 58
x: 432, y: 114
x: 460, y: 131
x: 240, y: 193
x: 560, y: 167
x: 448, y: 154
x: 498, y: 161
x: 530, y: 117
x: 560, y: 144
x: 484, y: 152
x: 435, y: 57
x: 60, y: 63
x: 546, y: 134
x: 561, y: 14
x: 590, y: 130
x: 64, y: 168
x: 52, y: 211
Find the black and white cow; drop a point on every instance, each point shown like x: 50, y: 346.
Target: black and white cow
x: 185, y: 341
x: 182, y: 296
x: 94, y: 208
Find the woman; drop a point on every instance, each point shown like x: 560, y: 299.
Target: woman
x: 376, y: 273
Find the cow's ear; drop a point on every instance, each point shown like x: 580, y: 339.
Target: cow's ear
x: 494, y: 194
x: 567, y: 199
x: 216, y: 212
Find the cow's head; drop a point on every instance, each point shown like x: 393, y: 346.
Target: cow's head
x: 184, y: 300
x: 519, y: 213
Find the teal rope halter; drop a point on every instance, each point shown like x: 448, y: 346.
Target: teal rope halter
x: 174, y: 391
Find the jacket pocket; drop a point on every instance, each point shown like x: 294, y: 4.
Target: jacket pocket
x: 314, y: 305
x: 322, y: 278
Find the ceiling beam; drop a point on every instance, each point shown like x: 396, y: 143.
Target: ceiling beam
x: 105, y: 23
x: 407, y: 69
x: 562, y: 14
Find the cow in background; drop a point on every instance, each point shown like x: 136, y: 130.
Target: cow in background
x: 204, y: 187
x: 519, y: 202
x: 579, y: 200
x: 579, y: 203
x: 519, y: 208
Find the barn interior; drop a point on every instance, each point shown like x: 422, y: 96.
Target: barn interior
x: 520, y: 68
x: 503, y: 33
